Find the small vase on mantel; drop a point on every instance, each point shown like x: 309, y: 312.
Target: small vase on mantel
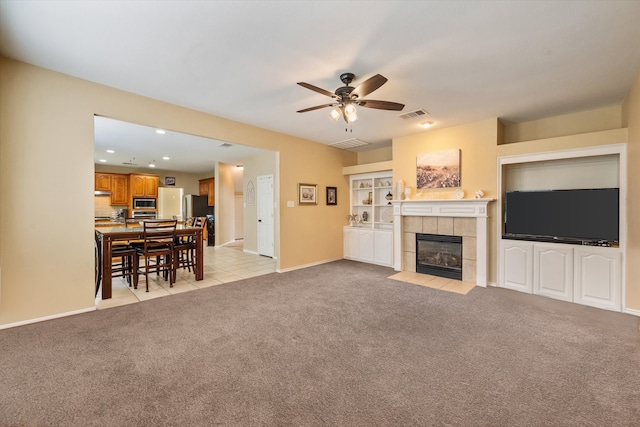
x: 407, y: 192
x: 400, y: 189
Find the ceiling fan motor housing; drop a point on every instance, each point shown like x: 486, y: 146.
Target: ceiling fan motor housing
x: 347, y: 78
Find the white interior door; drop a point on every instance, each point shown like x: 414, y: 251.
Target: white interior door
x: 265, y: 215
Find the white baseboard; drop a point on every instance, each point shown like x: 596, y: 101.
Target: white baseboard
x: 42, y: 319
x: 631, y: 311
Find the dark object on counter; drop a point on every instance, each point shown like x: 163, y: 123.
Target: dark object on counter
x: 211, y: 231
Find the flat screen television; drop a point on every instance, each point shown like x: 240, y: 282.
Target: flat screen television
x: 563, y: 215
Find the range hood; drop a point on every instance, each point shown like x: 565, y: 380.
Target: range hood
x: 102, y: 193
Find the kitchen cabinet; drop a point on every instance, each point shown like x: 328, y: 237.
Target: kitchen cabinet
x: 207, y: 188
x: 116, y: 184
x: 102, y: 182
x: 119, y: 189
x: 143, y: 185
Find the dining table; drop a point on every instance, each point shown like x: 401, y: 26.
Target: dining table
x: 106, y: 236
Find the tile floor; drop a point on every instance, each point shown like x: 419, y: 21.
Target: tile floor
x: 434, y: 282
x: 221, y: 265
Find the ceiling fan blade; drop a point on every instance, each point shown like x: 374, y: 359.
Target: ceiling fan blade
x: 380, y: 105
x: 369, y: 85
x: 317, y: 107
x: 316, y: 89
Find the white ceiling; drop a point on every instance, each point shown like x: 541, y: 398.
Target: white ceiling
x: 137, y: 146
x: 462, y: 61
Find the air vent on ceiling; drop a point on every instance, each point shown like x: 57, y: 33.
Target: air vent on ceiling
x: 416, y: 113
x: 226, y: 144
x: 349, y: 143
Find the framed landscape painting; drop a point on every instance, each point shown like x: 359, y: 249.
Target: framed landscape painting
x: 440, y: 169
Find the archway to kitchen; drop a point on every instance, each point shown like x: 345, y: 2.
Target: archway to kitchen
x: 187, y: 162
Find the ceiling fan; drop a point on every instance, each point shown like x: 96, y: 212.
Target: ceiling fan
x: 347, y: 97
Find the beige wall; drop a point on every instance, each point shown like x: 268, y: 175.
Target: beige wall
x: 568, y: 124
x: 631, y: 119
x: 477, y: 142
x: 374, y: 156
x: 225, y: 204
x: 46, y: 144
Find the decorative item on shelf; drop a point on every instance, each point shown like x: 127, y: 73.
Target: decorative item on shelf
x: 352, y: 219
x: 365, y: 216
x: 479, y: 194
x: 407, y: 193
x: 458, y: 194
x: 386, y: 214
x: 400, y: 189
x: 389, y: 196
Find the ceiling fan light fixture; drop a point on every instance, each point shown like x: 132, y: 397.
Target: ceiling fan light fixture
x: 335, y: 113
x: 350, y: 113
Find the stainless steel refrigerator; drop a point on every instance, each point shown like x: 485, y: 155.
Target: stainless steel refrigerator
x: 196, y: 206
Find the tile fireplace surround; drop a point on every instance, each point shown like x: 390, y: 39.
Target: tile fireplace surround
x: 465, y: 217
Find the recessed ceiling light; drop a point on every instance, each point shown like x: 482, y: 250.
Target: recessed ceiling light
x: 152, y: 164
x: 102, y: 160
x: 160, y: 131
x: 165, y: 158
x: 426, y: 124
x: 110, y: 151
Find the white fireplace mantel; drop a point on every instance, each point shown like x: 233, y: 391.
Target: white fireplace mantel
x: 452, y: 208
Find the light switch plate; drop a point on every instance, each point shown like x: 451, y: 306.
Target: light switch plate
x: 290, y: 203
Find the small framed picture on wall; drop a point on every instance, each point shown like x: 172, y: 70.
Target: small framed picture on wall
x: 332, y: 195
x: 169, y: 180
x: 307, y: 194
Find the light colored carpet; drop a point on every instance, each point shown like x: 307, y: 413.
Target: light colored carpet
x: 333, y: 345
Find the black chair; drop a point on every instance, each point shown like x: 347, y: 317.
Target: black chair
x: 158, y: 249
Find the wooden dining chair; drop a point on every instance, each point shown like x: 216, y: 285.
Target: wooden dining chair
x: 158, y: 249
x: 185, y: 247
x: 124, y: 261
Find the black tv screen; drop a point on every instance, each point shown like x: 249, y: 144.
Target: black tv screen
x: 587, y: 214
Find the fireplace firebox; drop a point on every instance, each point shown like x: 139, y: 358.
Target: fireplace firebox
x: 439, y: 255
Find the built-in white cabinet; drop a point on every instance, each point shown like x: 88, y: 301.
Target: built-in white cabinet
x: 553, y: 271
x: 588, y: 275
x: 369, y: 238
x: 517, y: 265
x: 368, y: 245
x: 598, y: 277
x: 583, y: 274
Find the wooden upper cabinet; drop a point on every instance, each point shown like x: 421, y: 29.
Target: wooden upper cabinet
x: 143, y: 185
x: 117, y: 184
x: 207, y: 187
x: 102, y: 182
x: 119, y: 189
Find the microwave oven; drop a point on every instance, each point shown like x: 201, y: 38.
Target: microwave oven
x: 144, y: 203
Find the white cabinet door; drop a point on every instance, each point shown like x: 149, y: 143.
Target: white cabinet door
x: 365, y: 245
x: 553, y: 271
x: 517, y: 264
x: 350, y: 243
x: 598, y: 277
x: 383, y: 248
